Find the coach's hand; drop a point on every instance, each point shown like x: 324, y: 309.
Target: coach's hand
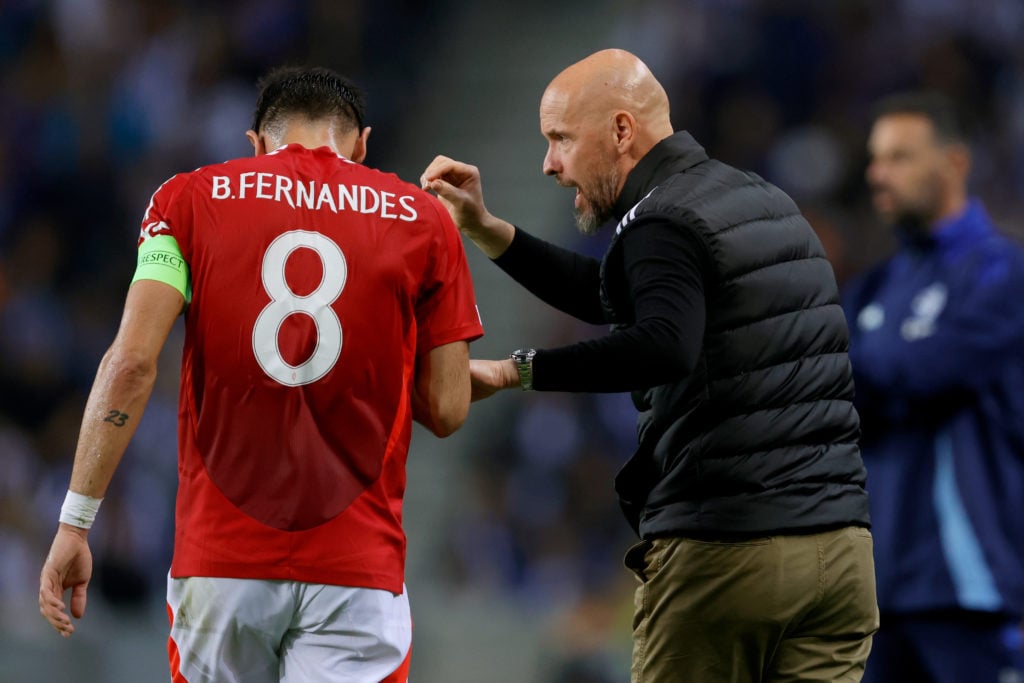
x: 68, y: 565
x: 459, y: 188
x: 490, y: 376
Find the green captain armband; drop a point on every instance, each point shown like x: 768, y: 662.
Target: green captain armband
x: 160, y: 259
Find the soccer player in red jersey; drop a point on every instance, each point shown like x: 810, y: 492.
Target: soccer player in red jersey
x: 326, y: 305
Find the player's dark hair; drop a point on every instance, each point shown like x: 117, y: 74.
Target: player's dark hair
x: 313, y: 92
x: 936, y: 107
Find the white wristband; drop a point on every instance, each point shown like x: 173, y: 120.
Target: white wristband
x: 79, y: 510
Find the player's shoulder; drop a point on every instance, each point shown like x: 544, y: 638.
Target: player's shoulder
x: 390, y: 181
x: 170, y: 189
x: 237, y: 165
x: 202, y: 177
x: 385, y: 178
x: 183, y: 178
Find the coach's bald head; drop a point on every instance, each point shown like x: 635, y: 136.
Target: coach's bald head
x: 600, y: 116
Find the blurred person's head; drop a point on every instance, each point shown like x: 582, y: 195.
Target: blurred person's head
x: 600, y: 116
x: 919, y: 160
x: 312, y: 106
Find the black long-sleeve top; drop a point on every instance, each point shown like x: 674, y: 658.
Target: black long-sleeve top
x: 664, y: 268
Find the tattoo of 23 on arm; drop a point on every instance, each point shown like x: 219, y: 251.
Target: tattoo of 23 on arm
x: 116, y: 418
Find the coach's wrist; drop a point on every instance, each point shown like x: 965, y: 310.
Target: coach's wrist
x: 523, y: 361
x: 492, y: 235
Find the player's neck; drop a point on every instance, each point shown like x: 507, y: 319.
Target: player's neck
x: 312, y: 137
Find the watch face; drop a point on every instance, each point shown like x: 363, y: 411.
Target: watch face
x: 523, y: 358
x: 522, y: 355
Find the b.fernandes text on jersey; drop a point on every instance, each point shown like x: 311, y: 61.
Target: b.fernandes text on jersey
x: 315, y: 195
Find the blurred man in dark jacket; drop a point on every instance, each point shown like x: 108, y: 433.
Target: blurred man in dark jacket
x: 937, y: 347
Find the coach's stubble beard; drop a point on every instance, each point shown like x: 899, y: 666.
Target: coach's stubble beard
x: 597, y: 208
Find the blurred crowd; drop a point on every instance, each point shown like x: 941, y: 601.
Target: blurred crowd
x: 103, y: 100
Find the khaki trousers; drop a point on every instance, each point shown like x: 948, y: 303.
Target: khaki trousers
x: 778, y: 609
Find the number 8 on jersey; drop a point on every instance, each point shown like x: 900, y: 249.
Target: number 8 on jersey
x: 284, y: 302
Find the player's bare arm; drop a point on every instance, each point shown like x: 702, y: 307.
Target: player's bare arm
x: 442, y: 391
x: 458, y: 186
x: 119, y: 394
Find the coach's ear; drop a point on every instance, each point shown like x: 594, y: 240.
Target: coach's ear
x: 258, y: 144
x: 359, y: 150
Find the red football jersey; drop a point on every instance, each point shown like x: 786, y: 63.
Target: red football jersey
x: 316, y: 282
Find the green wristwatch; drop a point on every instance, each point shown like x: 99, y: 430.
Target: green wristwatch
x: 524, y: 364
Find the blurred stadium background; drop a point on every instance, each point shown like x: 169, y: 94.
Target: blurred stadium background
x: 515, y: 537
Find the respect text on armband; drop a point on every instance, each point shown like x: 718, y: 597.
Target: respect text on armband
x: 162, y: 258
x: 315, y: 195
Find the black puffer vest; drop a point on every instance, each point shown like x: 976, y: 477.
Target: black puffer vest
x: 762, y: 437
